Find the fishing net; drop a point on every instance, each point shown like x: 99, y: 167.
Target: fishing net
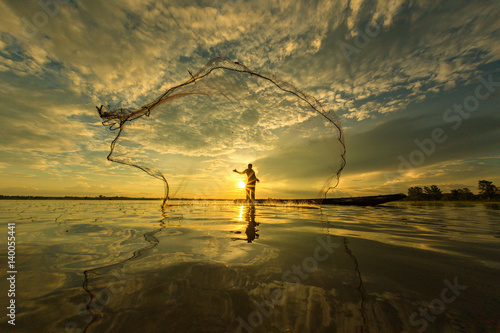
x: 224, y: 116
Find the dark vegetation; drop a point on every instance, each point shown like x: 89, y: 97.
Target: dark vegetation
x: 100, y: 197
x: 487, y: 192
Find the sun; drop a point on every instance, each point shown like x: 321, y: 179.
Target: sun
x: 241, y: 184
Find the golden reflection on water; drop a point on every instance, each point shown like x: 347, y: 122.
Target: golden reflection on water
x: 214, y: 267
x: 241, y: 212
x: 417, y: 230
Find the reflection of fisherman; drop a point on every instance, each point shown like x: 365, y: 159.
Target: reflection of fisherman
x: 250, y: 218
x: 251, y: 179
x: 251, y: 230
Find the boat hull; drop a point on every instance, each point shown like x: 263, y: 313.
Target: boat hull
x: 373, y: 200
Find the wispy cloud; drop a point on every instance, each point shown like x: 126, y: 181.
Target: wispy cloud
x: 124, y: 53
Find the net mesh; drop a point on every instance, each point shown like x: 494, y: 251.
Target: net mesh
x: 118, y: 119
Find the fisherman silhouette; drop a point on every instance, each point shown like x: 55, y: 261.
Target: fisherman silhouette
x: 251, y: 181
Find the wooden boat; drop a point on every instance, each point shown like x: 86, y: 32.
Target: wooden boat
x: 363, y: 201
x: 351, y: 201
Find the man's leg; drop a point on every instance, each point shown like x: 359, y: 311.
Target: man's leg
x: 248, y: 193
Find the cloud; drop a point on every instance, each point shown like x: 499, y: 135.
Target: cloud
x: 125, y: 53
x: 380, y: 148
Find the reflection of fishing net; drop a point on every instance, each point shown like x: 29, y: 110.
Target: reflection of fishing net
x: 226, y: 114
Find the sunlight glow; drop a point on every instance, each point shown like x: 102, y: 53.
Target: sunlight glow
x: 241, y: 184
x: 241, y: 211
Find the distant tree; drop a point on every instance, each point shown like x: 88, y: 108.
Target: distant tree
x: 461, y: 194
x: 415, y: 193
x: 466, y: 194
x: 433, y: 192
x: 487, y: 190
x: 436, y: 192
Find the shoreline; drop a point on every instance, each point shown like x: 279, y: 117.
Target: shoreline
x: 449, y: 201
x: 106, y: 198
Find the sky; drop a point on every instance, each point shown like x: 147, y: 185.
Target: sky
x: 415, y: 85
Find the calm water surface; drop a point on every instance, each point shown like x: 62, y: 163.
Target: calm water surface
x: 126, y: 266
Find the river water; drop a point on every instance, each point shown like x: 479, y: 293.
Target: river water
x: 127, y: 266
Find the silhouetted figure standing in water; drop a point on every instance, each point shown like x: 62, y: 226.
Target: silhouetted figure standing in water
x: 251, y: 181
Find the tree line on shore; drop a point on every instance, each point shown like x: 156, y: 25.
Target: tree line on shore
x: 69, y: 197
x: 487, y: 191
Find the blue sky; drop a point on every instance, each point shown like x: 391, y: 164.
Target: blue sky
x: 415, y: 85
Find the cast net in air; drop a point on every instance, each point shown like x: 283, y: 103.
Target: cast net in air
x: 224, y: 116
